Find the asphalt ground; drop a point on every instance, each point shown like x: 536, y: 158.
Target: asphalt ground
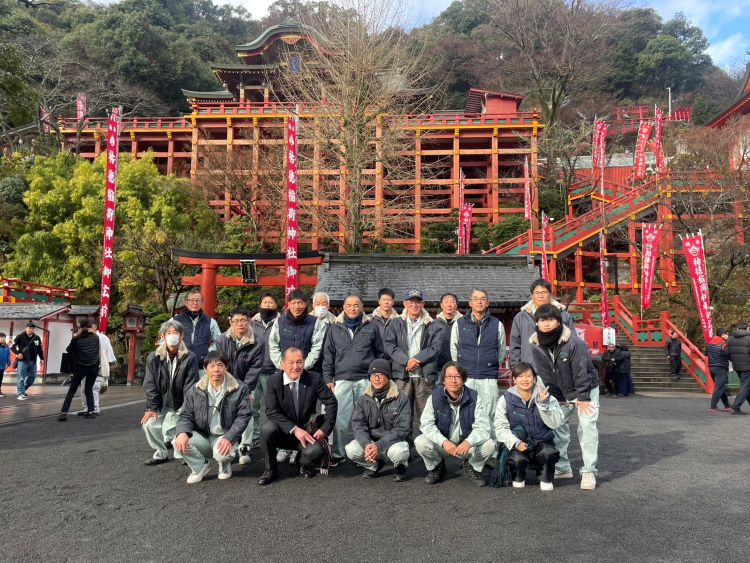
x: 672, y: 487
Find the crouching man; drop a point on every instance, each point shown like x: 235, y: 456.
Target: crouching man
x: 454, y: 423
x: 381, y: 425
x: 216, y: 412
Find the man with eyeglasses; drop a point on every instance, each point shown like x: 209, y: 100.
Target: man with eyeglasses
x: 478, y: 344
x: 245, y: 352
x: 524, y: 326
x: 201, y: 331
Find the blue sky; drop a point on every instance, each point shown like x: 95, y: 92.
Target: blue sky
x: 725, y: 24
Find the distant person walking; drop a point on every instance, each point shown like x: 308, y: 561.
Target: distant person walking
x: 718, y: 365
x: 85, y: 350
x: 28, y: 348
x: 673, y: 349
x: 738, y: 346
x: 4, y: 360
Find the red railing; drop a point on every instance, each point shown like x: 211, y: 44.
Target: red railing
x: 130, y: 124
x: 13, y: 287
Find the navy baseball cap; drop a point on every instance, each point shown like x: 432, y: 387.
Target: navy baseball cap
x: 413, y: 294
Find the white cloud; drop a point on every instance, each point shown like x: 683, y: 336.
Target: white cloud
x: 727, y: 51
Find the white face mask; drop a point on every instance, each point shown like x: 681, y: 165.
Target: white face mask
x: 172, y: 340
x: 320, y: 311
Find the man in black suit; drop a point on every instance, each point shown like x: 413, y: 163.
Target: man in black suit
x: 291, y: 397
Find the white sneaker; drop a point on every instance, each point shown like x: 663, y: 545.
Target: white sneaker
x: 293, y: 457
x: 244, y: 452
x: 22, y: 397
x: 588, y: 481
x: 282, y: 455
x: 245, y: 459
x: 225, y: 471
x: 198, y: 477
x: 519, y: 484
x: 546, y: 486
x: 563, y: 474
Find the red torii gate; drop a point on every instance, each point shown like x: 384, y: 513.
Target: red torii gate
x: 209, y: 278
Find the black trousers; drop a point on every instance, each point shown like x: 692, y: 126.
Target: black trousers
x: 611, y: 382
x: 720, y: 378
x: 742, y: 394
x: 675, y: 365
x: 544, y: 456
x: 80, y: 374
x: 273, y: 438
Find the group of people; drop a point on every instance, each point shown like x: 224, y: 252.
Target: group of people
x: 350, y: 387
x: 722, y: 349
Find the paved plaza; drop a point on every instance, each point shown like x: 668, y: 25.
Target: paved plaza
x: 672, y: 487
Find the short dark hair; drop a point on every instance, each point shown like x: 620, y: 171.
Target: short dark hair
x: 269, y: 294
x: 356, y: 295
x: 216, y: 356
x: 719, y: 331
x: 297, y: 294
x: 3, y: 335
x: 742, y: 325
x: 86, y: 322
x: 541, y: 282
x: 449, y: 294
x: 244, y: 311
x: 386, y: 291
x: 546, y: 312
x: 290, y: 350
x: 459, y: 368
x: 521, y: 368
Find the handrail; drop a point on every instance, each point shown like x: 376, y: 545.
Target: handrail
x: 693, y: 359
x: 48, y: 292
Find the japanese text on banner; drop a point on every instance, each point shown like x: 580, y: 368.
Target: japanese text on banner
x: 292, y: 218
x: 696, y: 260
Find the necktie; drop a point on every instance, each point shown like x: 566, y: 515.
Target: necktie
x: 295, y: 398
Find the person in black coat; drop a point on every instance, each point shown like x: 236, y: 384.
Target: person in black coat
x: 291, y: 398
x: 673, y: 349
x: 738, y: 346
x: 85, y: 351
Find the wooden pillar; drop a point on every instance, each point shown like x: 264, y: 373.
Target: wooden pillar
x: 579, y: 273
x: 97, y: 143
x: 133, y: 144
x: 633, y: 255
x: 170, y: 154
x: 667, y: 254
x: 45, y: 350
x: 739, y: 221
x: 492, y: 178
x: 208, y: 288
x: 131, y: 358
x: 552, y: 268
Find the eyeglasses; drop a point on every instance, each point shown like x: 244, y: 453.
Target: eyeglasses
x: 452, y: 377
x: 193, y: 300
x: 541, y: 293
x: 239, y: 321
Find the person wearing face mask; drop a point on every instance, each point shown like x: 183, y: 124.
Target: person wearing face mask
x: 321, y: 305
x: 171, y: 370
x: 261, y: 325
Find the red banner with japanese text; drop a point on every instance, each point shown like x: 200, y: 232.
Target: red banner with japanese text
x: 649, y: 254
x: 603, y: 279
x: 696, y: 260
x: 639, y: 165
x: 80, y: 107
x: 545, y: 224
x: 110, y: 198
x: 599, y: 152
x: 465, y: 228
x: 661, y: 161
x: 526, y: 190
x: 292, y: 220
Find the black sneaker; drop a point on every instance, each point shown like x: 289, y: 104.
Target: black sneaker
x: 91, y: 414
x: 400, y: 473
x: 436, y: 475
x: 372, y: 473
x: 81, y: 413
x: 268, y: 477
x: 63, y: 416
x: 308, y: 471
x: 475, y: 476
x: 737, y: 411
x: 336, y: 461
x: 2, y: 395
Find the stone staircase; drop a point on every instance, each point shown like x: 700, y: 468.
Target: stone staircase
x: 650, y: 371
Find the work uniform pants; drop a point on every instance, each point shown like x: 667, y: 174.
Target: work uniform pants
x: 203, y: 447
x: 544, y: 456
x: 588, y: 436
x: 25, y: 376
x: 397, y: 454
x: 160, y: 431
x: 489, y: 393
x: 433, y: 453
x: 347, y: 393
x: 418, y: 390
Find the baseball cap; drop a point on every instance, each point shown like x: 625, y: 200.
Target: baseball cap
x: 413, y: 294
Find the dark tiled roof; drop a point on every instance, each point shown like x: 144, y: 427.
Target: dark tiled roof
x: 505, y: 278
x: 84, y: 310
x: 32, y: 311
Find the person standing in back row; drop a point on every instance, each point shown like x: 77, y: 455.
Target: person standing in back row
x: 201, y: 331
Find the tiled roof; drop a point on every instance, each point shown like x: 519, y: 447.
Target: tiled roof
x: 84, y: 310
x: 32, y: 311
x: 505, y: 278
